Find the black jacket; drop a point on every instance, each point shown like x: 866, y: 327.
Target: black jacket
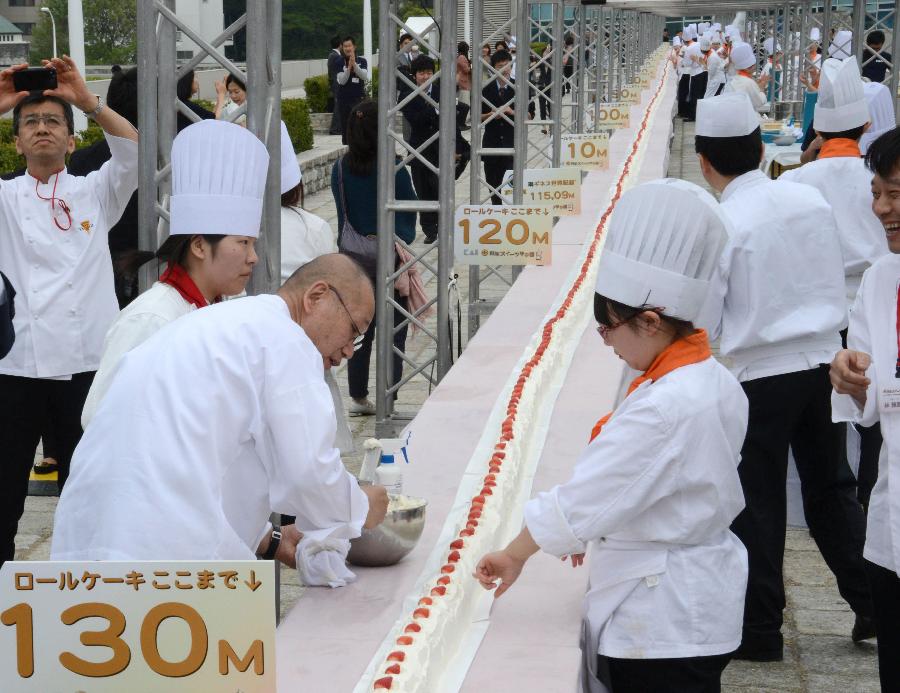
x: 498, y: 133
x: 424, y: 121
x: 7, y: 313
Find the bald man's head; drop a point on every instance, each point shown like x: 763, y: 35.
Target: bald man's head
x: 332, y: 299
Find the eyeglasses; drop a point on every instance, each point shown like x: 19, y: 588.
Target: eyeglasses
x: 604, y: 330
x: 358, y: 340
x: 50, y: 120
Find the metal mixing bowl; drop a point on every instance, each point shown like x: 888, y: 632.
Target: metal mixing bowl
x: 785, y: 140
x: 390, y: 541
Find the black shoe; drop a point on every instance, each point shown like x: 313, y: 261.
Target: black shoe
x: 48, y: 465
x: 863, y: 628
x: 430, y: 238
x: 751, y: 655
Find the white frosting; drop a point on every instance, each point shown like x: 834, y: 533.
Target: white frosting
x: 449, y: 615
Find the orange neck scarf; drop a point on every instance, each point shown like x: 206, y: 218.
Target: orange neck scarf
x: 745, y: 73
x: 681, y: 352
x: 839, y: 146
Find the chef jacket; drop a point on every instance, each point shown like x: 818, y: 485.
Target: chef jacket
x: 654, y: 495
x: 138, y: 321
x: 692, y: 57
x: 873, y: 330
x: 846, y: 184
x: 741, y: 83
x: 66, y: 299
x: 304, y: 237
x: 777, y: 297
x: 715, y: 65
x: 219, y: 419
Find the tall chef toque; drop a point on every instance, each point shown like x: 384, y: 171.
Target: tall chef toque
x: 290, y: 167
x: 728, y: 115
x: 742, y: 56
x: 842, y: 101
x: 663, y: 244
x: 218, y: 178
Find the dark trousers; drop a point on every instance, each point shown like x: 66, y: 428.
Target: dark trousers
x: 545, y: 103
x: 344, y: 107
x: 869, y: 451
x: 26, y: 404
x: 494, y: 169
x: 335, y: 127
x: 697, y: 91
x: 684, y: 87
x: 426, y: 184
x: 885, y: 586
x: 358, y: 365
x: 794, y: 410
x: 676, y: 675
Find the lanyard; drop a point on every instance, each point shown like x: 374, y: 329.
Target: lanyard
x: 897, y: 370
x: 54, y: 201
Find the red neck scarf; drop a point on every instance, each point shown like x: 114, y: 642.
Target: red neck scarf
x: 745, y: 73
x: 178, y: 278
x: 839, y: 147
x: 681, y: 352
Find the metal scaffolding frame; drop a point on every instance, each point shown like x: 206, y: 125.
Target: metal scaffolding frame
x: 158, y: 106
x: 394, y: 153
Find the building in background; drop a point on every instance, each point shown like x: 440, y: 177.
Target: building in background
x: 206, y: 17
x: 13, y: 46
x: 23, y: 13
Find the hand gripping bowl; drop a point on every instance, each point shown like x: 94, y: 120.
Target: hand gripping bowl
x: 390, y: 541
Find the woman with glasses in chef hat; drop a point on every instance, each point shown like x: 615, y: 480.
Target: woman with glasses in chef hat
x: 657, y: 488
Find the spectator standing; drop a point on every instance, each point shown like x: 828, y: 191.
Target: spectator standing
x: 463, y: 83
x: 545, y: 83
x: 335, y: 65
x: 186, y: 88
x: 354, y: 185
x: 56, y: 254
x: 876, y: 62
x: 351, y: 82
x: 568, y: 61
x: 236, y: 90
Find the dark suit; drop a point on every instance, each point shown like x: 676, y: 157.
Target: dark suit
x: 7, y: 313
x: 498, y: 133
x: 424, y: 122
x: 347, y: 95
x: 335, y: 65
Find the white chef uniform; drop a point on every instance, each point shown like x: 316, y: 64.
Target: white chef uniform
x: 881, y: 111
x: 655, y: 492
x: 210, y: 145
x: 64, y: 279
x: 151, y: 473
x: 304, y: 237
x: 774, y: 226
x: 873, y: 330
x: 715, y: 65
x: 844, y: 181
x: 742, y: 58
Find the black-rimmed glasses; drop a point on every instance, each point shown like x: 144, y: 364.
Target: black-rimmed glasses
x: 358, y: 340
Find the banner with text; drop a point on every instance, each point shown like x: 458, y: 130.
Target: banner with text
x: 556, y: 188
x: 503, y: 235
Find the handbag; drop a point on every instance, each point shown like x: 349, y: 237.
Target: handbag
x: 363, y: 249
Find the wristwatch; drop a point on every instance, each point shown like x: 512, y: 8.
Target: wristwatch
x: 93, y: 114
x: 274, y: 542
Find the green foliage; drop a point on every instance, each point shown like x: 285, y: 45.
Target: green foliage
x: 295, y: 114
x: 110, y: 32
x: 208, y: 105
x: 372, y: 86
x: 307, y: 26
x: 537, y: 47
x: 11, y: 161
x: 318, y: 92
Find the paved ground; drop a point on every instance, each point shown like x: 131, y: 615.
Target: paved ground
x: 819, y: 656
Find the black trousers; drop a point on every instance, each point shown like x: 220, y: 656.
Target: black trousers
x: 26, y: 405
x: 358, y: 365
x: 426, y: 184
x: 684, y: 87
x: 544, y: 102
x: 335, y: 127
x: 869, y: 450
x: 494, y: 169
x: 886, y: 599
x: 676, y: 675
x: 697, y: 90
x: 344, y: 107
x: 794, y: 410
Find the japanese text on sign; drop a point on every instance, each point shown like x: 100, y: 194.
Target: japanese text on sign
x: 559, y: 189
x: 503, y: 235
x: 589, y: 151
x: 611, y: 116
x: 142, y: 625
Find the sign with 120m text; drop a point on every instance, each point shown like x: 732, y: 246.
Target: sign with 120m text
x: 110, y: 626
x: 503, y: 234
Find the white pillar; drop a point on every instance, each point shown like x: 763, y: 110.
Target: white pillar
x: 367, y: 32
x: 467, y: 30
x: 76, y: 51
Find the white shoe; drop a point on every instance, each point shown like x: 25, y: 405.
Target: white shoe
x: 363, y: 407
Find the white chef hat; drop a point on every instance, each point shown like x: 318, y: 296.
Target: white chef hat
x: 663, y: 244
x: 771, y: 47
x: 733, y: 33
x: 690, y: 31
x: 676, y: 41
x: 727, y: 115
x: 742, y: 56
x: 716, y: 27
x: 218, y: 178
x: 716, y: 37
x: 842, y: 101
x: 841, y: 46
x: 881, y: 109
x: 705, y: 42
x: 815, y: 34
x: 702, y: 28
x: 290, y: 167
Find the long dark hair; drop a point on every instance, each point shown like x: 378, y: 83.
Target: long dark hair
x: 362, y: 138
x: 610, y: 313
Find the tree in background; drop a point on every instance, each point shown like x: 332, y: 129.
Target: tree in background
x: 110, y: 32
